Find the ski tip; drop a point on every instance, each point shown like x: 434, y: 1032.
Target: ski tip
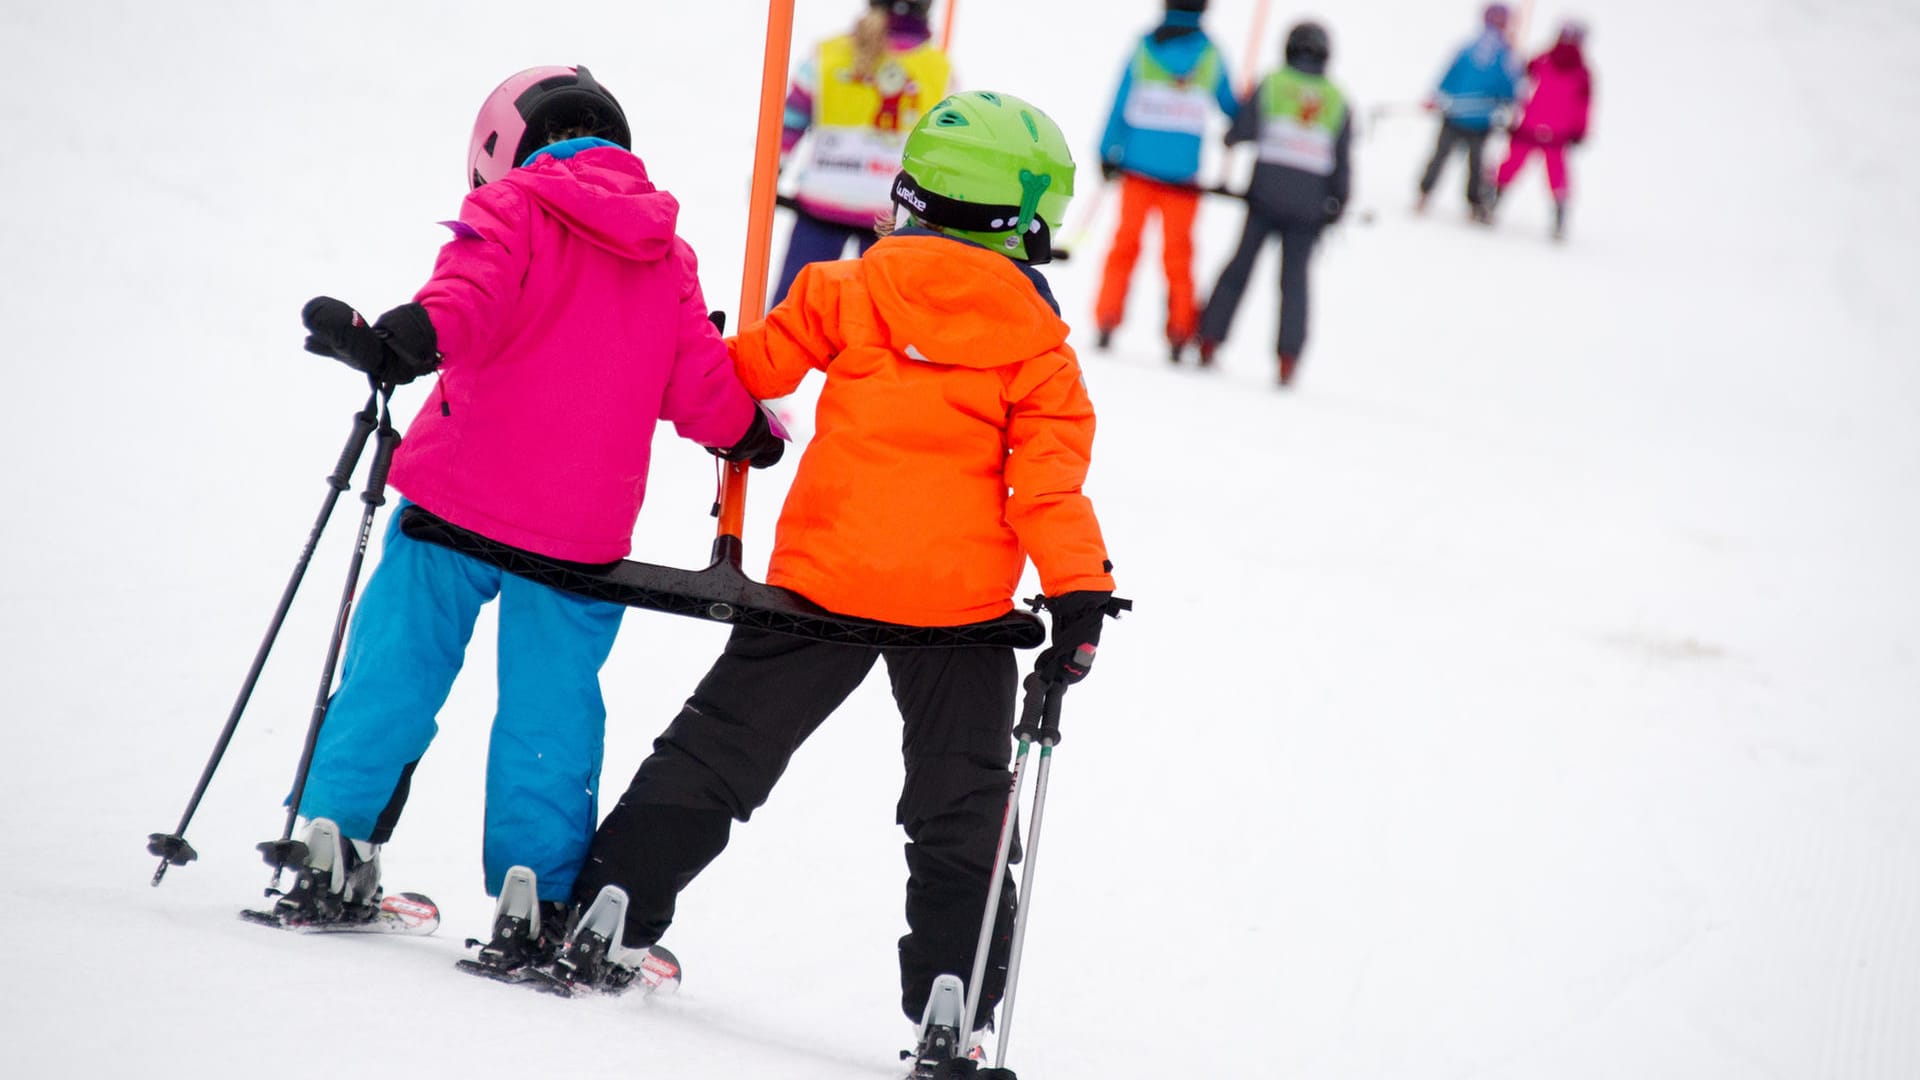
x: 660, y: 971
x: 413, y: 911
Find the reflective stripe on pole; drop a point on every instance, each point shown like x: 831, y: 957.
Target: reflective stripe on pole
x: 754, y: 271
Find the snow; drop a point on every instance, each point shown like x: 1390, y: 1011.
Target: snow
x: 1529, y: 693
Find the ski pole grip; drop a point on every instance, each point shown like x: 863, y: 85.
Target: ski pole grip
x: 389, y: 441
x: 1040, y: 711
x: 363, y: 423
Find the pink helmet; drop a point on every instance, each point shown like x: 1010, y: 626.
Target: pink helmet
x: 525, y: 112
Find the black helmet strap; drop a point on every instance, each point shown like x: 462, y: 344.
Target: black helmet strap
x: 948, y: 213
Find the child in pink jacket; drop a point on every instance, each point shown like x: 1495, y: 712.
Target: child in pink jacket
x: 565, y: 320
x: 1555, y: 118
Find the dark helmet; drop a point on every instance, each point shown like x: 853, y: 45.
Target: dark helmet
x: 1195, y: 6
x: 1498, y: 16
x: 1573, y: 32
x: 903, y: 7
x: 524, y: 114
x: 1308, y: 41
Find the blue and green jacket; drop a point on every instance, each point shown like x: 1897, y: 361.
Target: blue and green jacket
x: 1175, y: 63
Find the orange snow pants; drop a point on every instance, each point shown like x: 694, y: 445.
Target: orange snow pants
x: 1177, y: 206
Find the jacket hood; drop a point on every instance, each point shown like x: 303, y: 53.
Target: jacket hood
x: 1178, y: 24
x: 1180, y: 51
x: 602, y: 195
x: 948, y: 302
x: 1566, y: 56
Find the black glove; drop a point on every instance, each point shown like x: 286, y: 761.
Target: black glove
x: 1331, y: 210
x: 397, y: 349
x: 1077, y: 617
x: 760, y: 447
x: 1109, y: 170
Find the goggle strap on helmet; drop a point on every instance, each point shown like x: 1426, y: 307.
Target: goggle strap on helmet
x: 1023, y: 220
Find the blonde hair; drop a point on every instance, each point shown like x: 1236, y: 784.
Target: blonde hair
x: 869, y: 42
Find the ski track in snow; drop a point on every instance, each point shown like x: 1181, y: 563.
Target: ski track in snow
x: 1528, y: 694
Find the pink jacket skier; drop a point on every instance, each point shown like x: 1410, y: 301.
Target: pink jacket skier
x: 1555, y: 117
x: 565, y: 321
x: 569, y: 318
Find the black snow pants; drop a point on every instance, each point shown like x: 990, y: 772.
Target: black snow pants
x: 1451, y: 136
x: 720, y: 758
x: 1296, y: 248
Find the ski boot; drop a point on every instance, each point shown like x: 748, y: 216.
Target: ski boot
x: 938, y: 1052
x: 1559, y: 220
x: 1208, y: 347
x: 527, y: 931
x: 1103, y: 338
x: 594, y: 959
x: 1289, y: 367
x: 339, y: 880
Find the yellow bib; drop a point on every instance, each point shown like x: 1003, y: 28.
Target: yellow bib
x: 860, y: 123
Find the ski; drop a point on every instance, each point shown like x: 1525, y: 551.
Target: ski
x: 658, y: 973
x: 409, y: 913
x: 497, y: 972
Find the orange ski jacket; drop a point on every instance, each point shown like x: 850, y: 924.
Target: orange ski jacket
x: 951, y: 438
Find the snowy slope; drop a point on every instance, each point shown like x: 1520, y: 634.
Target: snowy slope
x: 1531, y: 693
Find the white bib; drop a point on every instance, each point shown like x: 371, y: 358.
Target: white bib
x: 1182, y: 110
x: 1286, y: 141
x: 853, y: 168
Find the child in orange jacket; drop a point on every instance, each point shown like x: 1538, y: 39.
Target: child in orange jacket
x: 952, y: 438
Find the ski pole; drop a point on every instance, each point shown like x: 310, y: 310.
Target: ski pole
x: 727, y: 543
x: 1522, y: 24
x: 172, y: 848
x: 1247, y: 80
x: 1039, y: 723
x: 946, y: 28
x: 284, y: 851
x: 1063, y: 251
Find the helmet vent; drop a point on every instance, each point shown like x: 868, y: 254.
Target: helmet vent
x: 989, y: 98
x: 491, y: 139
x: 951, y: 119
x: 1033, y: 129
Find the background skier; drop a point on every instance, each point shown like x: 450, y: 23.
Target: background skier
x: 1304, y: 129
x: 858, y: 94
x: 1171, y: 86
x: 953, y: 436
x: 565, y: 320
x: 1478, y: 87
x: 1559, y: 105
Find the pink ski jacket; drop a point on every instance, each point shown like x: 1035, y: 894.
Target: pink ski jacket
x: 1562, y: 97
x: 570, y: 322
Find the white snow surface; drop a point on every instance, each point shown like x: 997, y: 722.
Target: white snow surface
x: 1530, y: 693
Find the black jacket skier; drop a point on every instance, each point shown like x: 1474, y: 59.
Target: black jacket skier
x: 1304, y: 129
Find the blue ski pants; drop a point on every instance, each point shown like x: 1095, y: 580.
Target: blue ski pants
x: 406, y: 644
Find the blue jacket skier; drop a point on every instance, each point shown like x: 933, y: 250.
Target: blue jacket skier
x: 1478, y: 88
x: 1174, y: 82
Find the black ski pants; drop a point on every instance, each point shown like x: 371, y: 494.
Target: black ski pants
x: 720, y: 758
x: 1296, y: 249
x: 1453, y: 135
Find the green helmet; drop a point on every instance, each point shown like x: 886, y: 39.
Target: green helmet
x: 988, y: 168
